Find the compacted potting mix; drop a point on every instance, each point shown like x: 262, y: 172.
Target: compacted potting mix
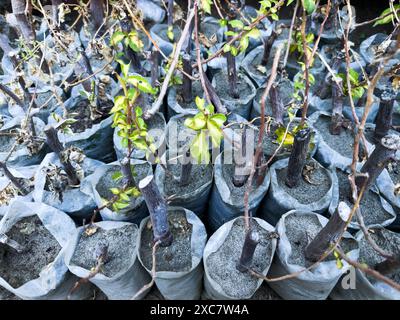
x: 175, y: 150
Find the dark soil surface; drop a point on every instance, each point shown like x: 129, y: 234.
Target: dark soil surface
x: 228, y: 171
x: 222, y: 87
x: 121, y: 244
x: 177, y: 257
x: 388, y: 241
x: 6, y: 295
x: 370, y: 206
x: 200, y: 175
x: 41, y: 248
x: 106, y: 182
x: 342, y: 143
x: 197, y: 91
x: 306, y: 192
x: 81, y: 113
x: 222, y: 263
x: 300, y: 231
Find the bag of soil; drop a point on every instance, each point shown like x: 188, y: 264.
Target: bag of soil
x: 28, y: 151
x: 242, y: 105
x: 332, y: 150
x: 99, y: 183
x: 367, y: 287
x: 219, y: 63
x: 177, y: 104
x: 313, y: 192
x: 10, y: 193
x: 376, y: 211
x: 194, y: 195
x: 71, y: 200
x: 226, y: 202
x: 179, y: 271
x: 94, y: 138
x: 159, y: 33
x: 222, y: 280
x: 39, y: 271
x: 151, y: 11
x: 155, y: 128
x: 296, y: 229
x: 111, y: 246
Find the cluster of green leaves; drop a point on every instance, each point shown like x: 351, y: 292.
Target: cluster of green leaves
x: 170, y: 33
x: 270, y: 7
x: 244, y: 39
x: 297, y: 45
x: 130, y: 39
x: 299, y: 83
x: 386, y: 17
x: 123, y: 195
x: 288, y: 140
x: 206, y: 123
x: 357, y: 87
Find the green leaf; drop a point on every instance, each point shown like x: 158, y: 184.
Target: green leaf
x: 210, y: 109
x: 199, y: 148
x: 227, y: 48
x: 200, y: 103
x: 134, y: 42
x: 289, y: 2
x: 244, y: 43
x: 223, y: 22
x: 117, y: 37
x: 387, y: 19
x: 236, y: 24
x: 124, y: 68
x: 234, y: 51
x: 309, y: 5
x: 117, y: 176
x: 219, y: 119
x: 120, y: 103
x: 206, y: 6
x: 230, y: 33
x: 215, y: 133
x: 274, y: 16
x: 115, y: 190
x: 198, y: 122
x: 140, y: 144
x: 254, y: 33
x: 353, y: 76
x: 170, y: 33
x: 141, y: 83
x: 280, y: 133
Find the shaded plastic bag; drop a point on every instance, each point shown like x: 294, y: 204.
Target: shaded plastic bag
x: 212, y: 289
x: 74, y: 203
x: 54, y: 281
x: 195, y: 201
x: 277, y: 201
x: 324, y: 153
x: 21, y: 156
x: 96, y: 142
x: 242, y: 105
x: 182, y: 285
x: 21, y: 173
x: 165, y: 46
x: 363, y: 288
x: 308, y: 285
x: 151, y: 11
x: 122, y: 286
x: 137, y: 209
x: 222, y: 207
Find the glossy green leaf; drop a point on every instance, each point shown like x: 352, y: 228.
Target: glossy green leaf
x: 199, y: 148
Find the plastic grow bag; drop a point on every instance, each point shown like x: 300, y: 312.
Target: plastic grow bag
x: 74, y: 203
x: 182, y: 285
x: 55, y: 281
x: 195, y: 201
x: 137, y: 209
x: 222, y: 207
x: 122, y: 286
x: 277, y: 201
x: 165, y: 46
x: 324, y: 153
x: 242, y: 105
x: 151, y: 11
x: 21, y: 156
x: 364, y: 289
x: 96, y: 142
x: 308, y: 285
x: 213, y: 290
